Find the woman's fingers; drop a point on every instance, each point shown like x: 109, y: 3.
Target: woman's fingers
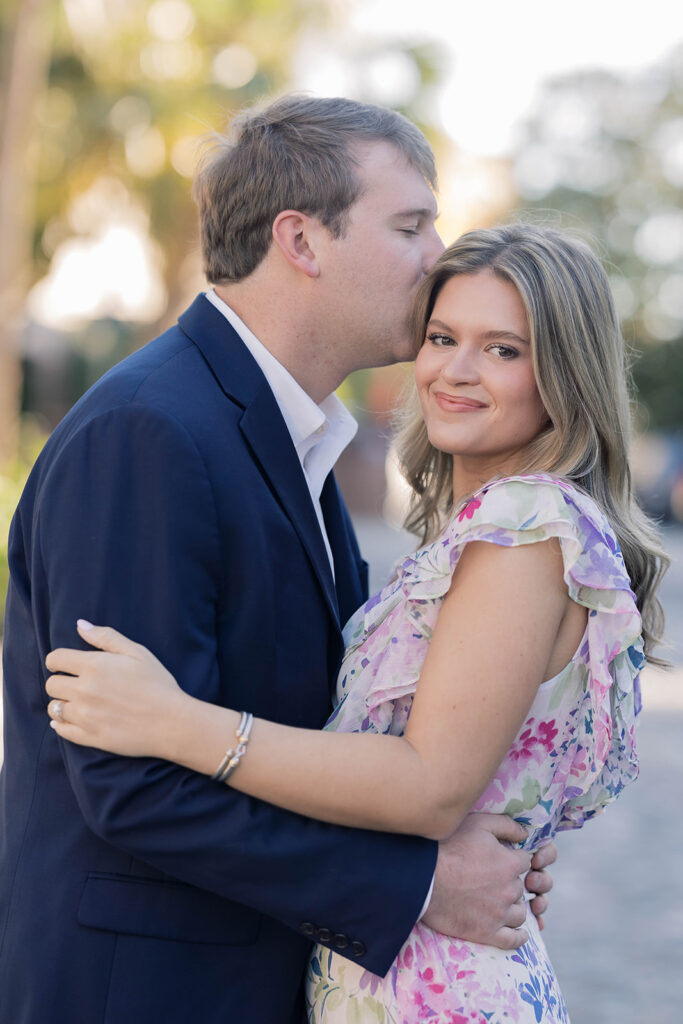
x: 55, y: 710
x: 106, y: 639
x: 67, y: 704
x: 116, y: 696
x: 73, y: 662
x: 62, y: 687
x: 64, y: 659
x: 71, y: 732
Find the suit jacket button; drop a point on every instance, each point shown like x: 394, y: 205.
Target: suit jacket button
x: 358, y: 949
x: 307, y: 928
x: 340, y: 941
x: 323, y: 935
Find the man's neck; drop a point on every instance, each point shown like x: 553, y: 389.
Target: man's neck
x: 286, y: 331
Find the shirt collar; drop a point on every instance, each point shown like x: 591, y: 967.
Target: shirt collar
x: 328, y: 427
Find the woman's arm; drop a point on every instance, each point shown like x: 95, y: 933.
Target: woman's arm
x: 495, y: 640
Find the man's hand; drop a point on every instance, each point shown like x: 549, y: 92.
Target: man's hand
x: 478, y: 892
x: 539, y: 881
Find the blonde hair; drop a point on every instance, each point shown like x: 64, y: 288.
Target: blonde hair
x: 581, y: 375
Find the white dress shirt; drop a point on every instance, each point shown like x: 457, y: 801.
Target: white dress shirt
x: 320, y: 432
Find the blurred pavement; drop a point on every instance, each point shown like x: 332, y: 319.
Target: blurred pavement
x: 615, y: 924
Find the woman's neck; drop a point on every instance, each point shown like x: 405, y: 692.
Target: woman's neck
x: 470, y: 475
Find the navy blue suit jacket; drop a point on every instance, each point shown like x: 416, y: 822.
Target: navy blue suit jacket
x: 170, y: 504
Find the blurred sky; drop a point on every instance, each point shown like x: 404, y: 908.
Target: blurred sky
x: 494, y: 59
x: 499, y: 53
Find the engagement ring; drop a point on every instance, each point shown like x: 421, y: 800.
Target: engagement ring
x: 55, y: 710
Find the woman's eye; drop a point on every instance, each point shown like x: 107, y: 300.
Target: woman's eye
x: 505, y: 351
x: 408, y: 231
x: 440, y: 339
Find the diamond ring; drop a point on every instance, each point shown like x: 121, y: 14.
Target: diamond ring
x: 55, y: 710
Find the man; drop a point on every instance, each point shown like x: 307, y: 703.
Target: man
x: 187, y: 500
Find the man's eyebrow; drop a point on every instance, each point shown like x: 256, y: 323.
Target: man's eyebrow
x: 488, y: 335
x: 425, y: 212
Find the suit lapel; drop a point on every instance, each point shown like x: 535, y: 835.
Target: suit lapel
x: 280, y: 464
x: 350, y: 593
x: 264, y: 430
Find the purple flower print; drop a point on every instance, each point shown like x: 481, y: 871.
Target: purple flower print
x: 573, y: 754
x: 371, y: 981
x: 373, y: 601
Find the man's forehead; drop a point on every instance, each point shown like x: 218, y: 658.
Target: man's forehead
x: 392, y: 180
x: 380, y: 156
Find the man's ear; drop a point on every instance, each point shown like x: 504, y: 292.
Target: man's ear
x: 293, y: 234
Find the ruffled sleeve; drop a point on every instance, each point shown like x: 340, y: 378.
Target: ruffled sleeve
x: 586, y: 757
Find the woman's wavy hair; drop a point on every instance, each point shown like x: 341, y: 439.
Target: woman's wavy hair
x: 581, y: 374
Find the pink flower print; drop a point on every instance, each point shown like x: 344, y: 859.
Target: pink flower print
x: 432, y: 985
x: 469, y: 509
x: 427, y: 975
x: 533, y: 738
x: 495, y: 793
x: 546, y: 734
x: 523, y: 748
x: 458, y: 951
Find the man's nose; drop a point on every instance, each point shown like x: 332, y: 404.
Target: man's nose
x: 433, y: 250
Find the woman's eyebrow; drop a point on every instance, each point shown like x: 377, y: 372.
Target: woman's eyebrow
x: 495, y: 335
x: 492, y: 335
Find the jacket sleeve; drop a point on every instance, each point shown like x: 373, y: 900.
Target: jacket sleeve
x: 126, y: 534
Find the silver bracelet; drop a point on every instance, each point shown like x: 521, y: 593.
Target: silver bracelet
x: 232, y: 757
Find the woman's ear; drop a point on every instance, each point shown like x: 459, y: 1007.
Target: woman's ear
x: 293, y: 234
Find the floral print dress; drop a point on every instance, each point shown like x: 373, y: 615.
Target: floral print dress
x: 573, y: 755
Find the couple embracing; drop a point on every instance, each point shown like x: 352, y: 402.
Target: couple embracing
x: 200, y: 849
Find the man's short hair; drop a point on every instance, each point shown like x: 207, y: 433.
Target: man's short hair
x: 296, y: 153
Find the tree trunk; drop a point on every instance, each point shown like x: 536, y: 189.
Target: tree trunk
x: 25, y: 60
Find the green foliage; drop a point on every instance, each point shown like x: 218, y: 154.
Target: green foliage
x: 602, y: 154
x: 131, y: 90
x: 658, y: 376
x: 13, y: 477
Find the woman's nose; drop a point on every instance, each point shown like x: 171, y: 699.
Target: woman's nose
x: 461, y: 367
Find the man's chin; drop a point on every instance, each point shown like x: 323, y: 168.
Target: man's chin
x: 406, y: 353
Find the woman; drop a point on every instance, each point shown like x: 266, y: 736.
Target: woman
x: 516, y: 616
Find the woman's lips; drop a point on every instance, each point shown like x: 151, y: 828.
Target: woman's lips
x: 455, y: 403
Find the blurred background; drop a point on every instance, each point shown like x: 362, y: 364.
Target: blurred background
x: 571, y: 116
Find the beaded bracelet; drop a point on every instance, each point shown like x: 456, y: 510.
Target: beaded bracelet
x: 232, y: 756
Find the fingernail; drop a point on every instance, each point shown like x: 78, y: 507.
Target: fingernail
x: 84, y: 625
x: 53, y: 725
